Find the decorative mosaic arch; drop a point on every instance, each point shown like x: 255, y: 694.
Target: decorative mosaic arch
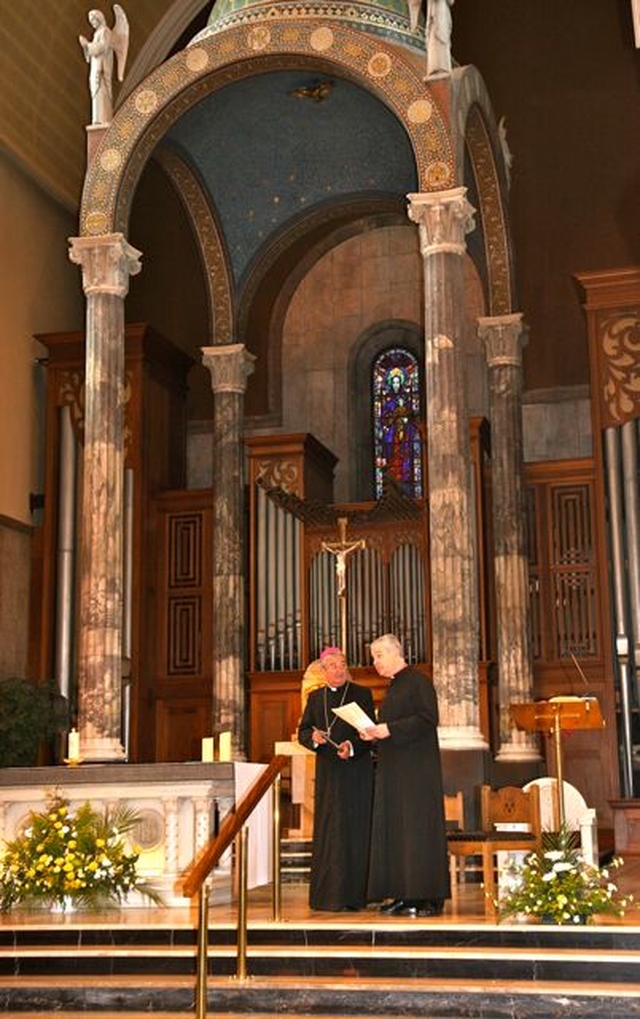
x: 240, y: 52
x: 476, y: 130
x: 332, y: 48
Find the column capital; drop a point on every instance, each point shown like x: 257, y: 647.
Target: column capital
x: 107, y: 263
x: 444, y: 217
x: 230, y: 365
x: 504, y: 337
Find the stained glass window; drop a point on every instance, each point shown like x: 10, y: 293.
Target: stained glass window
x: 396, y: 414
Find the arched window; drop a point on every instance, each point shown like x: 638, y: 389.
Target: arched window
x: 395, y: 399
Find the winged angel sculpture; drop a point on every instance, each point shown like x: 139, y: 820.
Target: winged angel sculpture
x: 99, y: 52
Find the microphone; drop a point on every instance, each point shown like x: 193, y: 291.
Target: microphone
x: 584, y: 678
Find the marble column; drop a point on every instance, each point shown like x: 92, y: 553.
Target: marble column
x: 443, y: 219
x: 504, y: 338
x: 107, y: 262
x: 230, y: 365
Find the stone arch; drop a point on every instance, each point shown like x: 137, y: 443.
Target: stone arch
x: 476, y: 136
x: 210, y: 244
x: 279, y: 268
x: 195, y: 72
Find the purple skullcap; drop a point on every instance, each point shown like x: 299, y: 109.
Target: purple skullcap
x: 331, y: 651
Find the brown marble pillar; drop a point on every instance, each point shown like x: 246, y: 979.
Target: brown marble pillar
x: 230, y: 365
x: 443, y: 219
x: 107, y: 263
x: 503, y: 338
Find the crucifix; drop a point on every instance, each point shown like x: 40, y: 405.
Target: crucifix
x: 341, y: 549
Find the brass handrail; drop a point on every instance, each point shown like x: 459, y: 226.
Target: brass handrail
x: 195, y: 878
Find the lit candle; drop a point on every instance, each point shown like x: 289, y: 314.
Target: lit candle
x: 224, y: 746
x: 73, y: 746
x: 207, y: 749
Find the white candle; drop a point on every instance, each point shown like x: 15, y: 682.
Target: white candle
x: 207, y: 749
x: 73, y: 746
x: 224, y: 746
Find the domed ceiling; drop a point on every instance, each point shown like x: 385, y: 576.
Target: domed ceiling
x: 270, y: 153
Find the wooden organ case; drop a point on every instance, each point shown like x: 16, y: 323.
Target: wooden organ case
x: 294, y: 610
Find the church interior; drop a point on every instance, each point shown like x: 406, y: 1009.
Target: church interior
x: 313, y: 336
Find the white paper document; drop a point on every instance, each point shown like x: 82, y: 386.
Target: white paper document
x: 354, y: 715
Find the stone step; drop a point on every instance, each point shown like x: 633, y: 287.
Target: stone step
x: 291, y: 998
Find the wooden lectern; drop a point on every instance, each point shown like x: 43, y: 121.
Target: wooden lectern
x: 554, y: 716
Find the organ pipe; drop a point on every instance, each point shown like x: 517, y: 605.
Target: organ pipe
x: 613, y: 471
x: 65, y: 554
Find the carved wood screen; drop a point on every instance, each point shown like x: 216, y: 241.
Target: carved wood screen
x: 565, y: 611
x: 180, y: 642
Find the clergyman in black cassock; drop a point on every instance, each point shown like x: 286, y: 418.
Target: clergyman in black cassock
x: 409, y: 858
x: 343, y: 790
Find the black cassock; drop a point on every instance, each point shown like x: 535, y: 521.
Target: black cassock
x: 408, y: 837
x: 342, y: 801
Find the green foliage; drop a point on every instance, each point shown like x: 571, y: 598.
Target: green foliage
x: 82, y: 855
x: 557, y: 885
x: 29, y: 713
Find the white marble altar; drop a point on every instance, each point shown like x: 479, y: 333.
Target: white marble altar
x: 179, y: 804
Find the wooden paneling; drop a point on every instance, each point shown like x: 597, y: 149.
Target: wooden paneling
x: 180, y: 630
x: 566, y: 549
x: 180, y: 725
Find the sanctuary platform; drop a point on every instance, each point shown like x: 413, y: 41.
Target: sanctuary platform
x: 459, y: 966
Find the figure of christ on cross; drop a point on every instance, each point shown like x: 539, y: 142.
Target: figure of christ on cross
x: 341, y: 549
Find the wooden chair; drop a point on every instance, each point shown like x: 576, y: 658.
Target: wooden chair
x: 454, y: 820
x: 498, y: 806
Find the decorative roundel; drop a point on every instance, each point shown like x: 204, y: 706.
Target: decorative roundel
x: 380, y: 65
x: 258, y: 37
x: 420, y: 111
x: 321, y: 39
x: 197, y: 59
x: 148, y: 832
x: 110, y: 159
x: 438, y: 174
x: 146, y: 101
x: 96, y: 222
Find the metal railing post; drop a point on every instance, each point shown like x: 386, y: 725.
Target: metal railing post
x: 241, y: 966
x: 203, y: 951
x: 276, y: 886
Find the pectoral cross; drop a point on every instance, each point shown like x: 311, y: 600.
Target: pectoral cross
x: 341, y: 549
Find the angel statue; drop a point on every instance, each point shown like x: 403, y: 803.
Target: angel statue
x: 98, y: 52
x: 438, y: 33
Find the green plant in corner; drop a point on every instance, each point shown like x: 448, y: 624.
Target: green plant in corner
x: 30, y: 712
x: 80, y: 856
x: 556, y: 885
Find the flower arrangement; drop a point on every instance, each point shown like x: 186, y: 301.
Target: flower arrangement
x: 80, y: 856
x: 556, y: 885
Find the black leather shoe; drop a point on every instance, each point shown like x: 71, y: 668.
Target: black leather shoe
x: 431, y: 907
x: 393, y: 907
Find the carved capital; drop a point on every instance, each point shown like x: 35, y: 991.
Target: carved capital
x: 107, y: 263
x: 504, y: 337
x: 443, y: 218
x: 230, y: 365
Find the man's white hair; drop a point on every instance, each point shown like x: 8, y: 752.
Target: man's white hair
x: 387, y: 640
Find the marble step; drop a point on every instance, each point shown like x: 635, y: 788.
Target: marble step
x: 295, y: 951
x: 289, y: 998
